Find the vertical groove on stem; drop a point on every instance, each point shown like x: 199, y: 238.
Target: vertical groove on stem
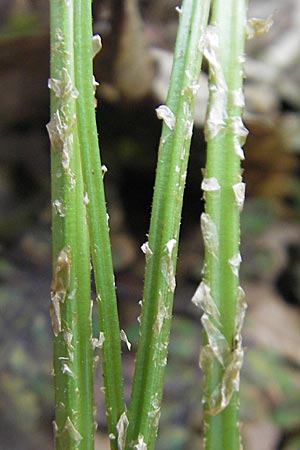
x: 70, y: 289
x: 219, y: 294
x: 98, y: 219
x: 161, y: 250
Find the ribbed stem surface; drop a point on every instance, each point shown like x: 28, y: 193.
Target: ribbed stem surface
x: 97, y: 218
x: 221, y: 297
x: 70, y: 289
x: 161, y: 250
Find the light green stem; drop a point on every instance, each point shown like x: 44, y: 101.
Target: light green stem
x: 161, y: 250
x: 221, y: 297
x: 70, y: 289
x: 97, y: 217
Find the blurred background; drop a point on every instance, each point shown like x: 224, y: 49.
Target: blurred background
x: 133, y: 70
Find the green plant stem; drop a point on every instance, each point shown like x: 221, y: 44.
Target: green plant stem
x: 161, y: 250
x: 221, y: 357
x: 97, y: 217
x: 70, y: 289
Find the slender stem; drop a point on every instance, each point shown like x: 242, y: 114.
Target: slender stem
x: 161, y: 250
x: 221, y: 297
x: 70, y: 290
x: 97, y: 218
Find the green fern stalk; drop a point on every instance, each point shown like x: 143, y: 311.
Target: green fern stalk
x: 85, y: 48
x: 70, y: 289
x: 219, y: 294
x: 161, y: 249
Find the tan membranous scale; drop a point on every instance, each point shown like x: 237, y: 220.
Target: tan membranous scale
x: 147, y: 250
x: 59, y: 287
x: 206, y: 360
x: 122, y: 426
x: 69, y: 437
x: 63, y: 87
x: 55, y: 429
x: 95, y: 86
x: 68, y: 338
x: 124, y: 338
x: 256, y: 27
x: 162, y: 314
x: 216, y: 114
x: 210, y: 234
x: 104, y: 170
x: 96, y: 44
x: 141, y: 444
x: 239, y: 190
x: 216, y: 341
x: 164, y: 113
x: 203, y: 299
x: 60, y: 132
x: 72, y: 177
x: 160, y: 354
x: 59, y: 35
x: 183, y: 153
x: 58, y: 44
x: 61, y: 279
x: 98, y: 343
x: 170, y: 246
x: 162, y: 346
x: 55, y: 131
x: 240, y: 134
x: 238, y: 98
x: 61, y: 125
x: 58, y: 208
x: 167, y: 266
x: 67, y: 370
x: 233, y: 360
x: 155, y: 412
x: 188, y: 121
x: 188, y: 74
x: 55, y: 316
x: 241, y: 307
x: 221, y: 396
x: 211, y: 51
x: 193, y: 88
x: 210, y: 184
x: 234, y: 263
x: 86, y: 199
x: 163, y: 362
